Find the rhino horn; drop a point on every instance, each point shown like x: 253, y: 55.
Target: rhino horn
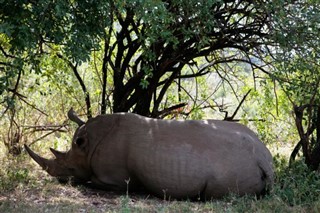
x: 72, y: 115
x: 44, y: 163
x: 57, y: 153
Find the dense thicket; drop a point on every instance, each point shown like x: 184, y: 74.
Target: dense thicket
x: 145, y: 45
x: 163, y: 58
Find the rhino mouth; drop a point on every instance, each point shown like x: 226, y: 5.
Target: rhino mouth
x: 65, y: 179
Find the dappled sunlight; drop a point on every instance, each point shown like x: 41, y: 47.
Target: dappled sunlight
x: 214, y: 126
x: 283, y: 149
x: 3, y: 151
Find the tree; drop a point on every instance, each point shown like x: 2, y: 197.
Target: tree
x: 140, y: 50
x: 146, y: 46
x: 298, y: 72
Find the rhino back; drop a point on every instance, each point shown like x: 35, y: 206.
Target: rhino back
x: 182, y: 158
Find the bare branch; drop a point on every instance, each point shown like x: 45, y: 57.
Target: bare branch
x: 165, y: 112
x: 46, y: 135
x: 37, y: 128
x: 237, y: 109
x: 81, y: 82
x: 5, y: 53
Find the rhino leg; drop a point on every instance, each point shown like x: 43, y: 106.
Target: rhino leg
x: 253, y: 184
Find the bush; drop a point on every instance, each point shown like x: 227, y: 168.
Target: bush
x: 12, y: 174
x: 296, y: 185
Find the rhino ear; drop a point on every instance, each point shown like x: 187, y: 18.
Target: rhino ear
x: 74, y: 117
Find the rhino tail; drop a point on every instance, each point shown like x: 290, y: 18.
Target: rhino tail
x: 267, y: 175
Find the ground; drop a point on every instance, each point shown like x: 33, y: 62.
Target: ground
x: 25, y: 187
x: 54, y: 197
x: 47, y: 195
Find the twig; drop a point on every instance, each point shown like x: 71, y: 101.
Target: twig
x: 46, y: 127
x: 168, y: 110
x: 32, y: 106
x: 5, y: 53
x: 45, y: 135
x: 237, y: 109
x: 81, y: 82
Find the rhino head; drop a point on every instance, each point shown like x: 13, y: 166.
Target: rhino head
x: 71, y: 164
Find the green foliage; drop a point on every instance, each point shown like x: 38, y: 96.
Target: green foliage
x: 142, y: 37
x: 297, y: 185
x: 297, y: 68
x: 12, y: 175
x: 297, y: 31
x: 143, y: 41
x: 125, y: 208
x: 77, y: 25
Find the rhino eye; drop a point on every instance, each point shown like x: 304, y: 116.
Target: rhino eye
x: 80, y: 141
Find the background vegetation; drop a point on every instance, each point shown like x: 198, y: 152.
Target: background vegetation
x: 255, y: 62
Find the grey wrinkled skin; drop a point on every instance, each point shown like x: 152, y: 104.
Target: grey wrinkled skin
x: 176, y: 159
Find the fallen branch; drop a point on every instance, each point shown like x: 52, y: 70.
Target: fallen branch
x: 49, y: 133
x: 47, y: 127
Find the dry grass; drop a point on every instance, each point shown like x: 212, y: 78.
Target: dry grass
x: 26, y: 188
x: 53, y: 197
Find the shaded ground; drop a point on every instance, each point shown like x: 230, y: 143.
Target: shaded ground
x: 47, y: 195
x: 53, y: 197
x: 24, y: 187
x: 25, y: 191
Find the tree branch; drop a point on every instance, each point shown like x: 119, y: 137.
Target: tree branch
x: 47, y: 134
x: 163, y: 113
x: 81, y: 82
x: 237, y: 109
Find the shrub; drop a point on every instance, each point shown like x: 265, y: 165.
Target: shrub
x: 296, y: 185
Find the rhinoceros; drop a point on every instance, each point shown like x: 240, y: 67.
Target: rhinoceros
x: 167, y: 158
